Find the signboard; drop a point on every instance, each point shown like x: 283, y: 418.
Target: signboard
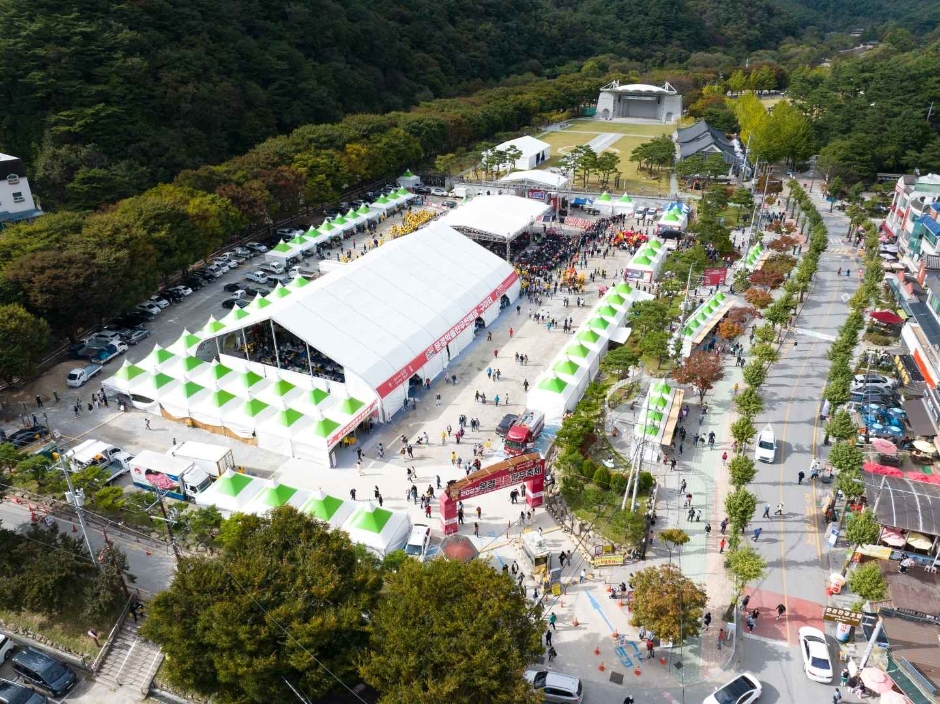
x: 608, y: 561
x: 406, y: 372
x: 832, y: 534
x: 715, y: 276
x: 351, y: 425
x: 497, y: 477
x: 636, y: 275
x: 537, y: 194
x: 846, y: 616
x: 556, y: 589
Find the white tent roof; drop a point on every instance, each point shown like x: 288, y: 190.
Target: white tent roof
x: 377, y: 313
x: 231, y: 492
x: 527, y: 145
x: 500, y: 216
x: 327, y: 508
x: 380, y: 530
x: 546, y: 178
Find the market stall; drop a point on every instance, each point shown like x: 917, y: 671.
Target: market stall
x: 379, y: 530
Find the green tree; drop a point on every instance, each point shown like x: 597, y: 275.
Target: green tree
x: 764, y: 353
x: 867, y: 581
x: 741, y: 470
x: 743, y: 431
x: 24, y: 339
x: 674, y: 539
x: 740, y: 506
x: 667, y: 603
x: 845, y: 457
x: 745, y: 566
x: 281, y: 571
x: 754, y: 374
x: 743, y: 199
x: 619, y: 361
x: 840, y: 426
x: 700, y: 370
x: 862, y: 528
x: 437, y: 657
x: 749, y: 402
x: 607, y: 166
x: 107, y: 590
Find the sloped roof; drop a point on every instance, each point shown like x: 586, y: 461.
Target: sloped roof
x: 500, y: 216
x: 527, y: 145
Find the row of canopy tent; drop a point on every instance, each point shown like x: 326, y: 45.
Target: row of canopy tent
x: 558, y: 389
x: 675, y: 216
x: 703, y: 319
x: 646, y: 263
x: 287, y: 412
x: 606, y: 205
x: 378, y: 529
x: 656, y: 419
x: 755, y: 256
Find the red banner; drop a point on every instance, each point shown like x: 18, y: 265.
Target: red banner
x: 715, y: 277
x: 405, y: 373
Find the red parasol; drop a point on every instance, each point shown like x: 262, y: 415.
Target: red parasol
x: 887, y: 317
x: 459, y: 548
x: 885, y: 447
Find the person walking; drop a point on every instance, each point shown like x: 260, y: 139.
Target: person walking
x: 476, y: 530
x: 707, y: 620
x: 582, y: 576
x: 723, y: 525
x: 836, y: 696
x: 779, y: 511
x: 548, y: 636
x: 757, y: 532
x: 781, y: 610
x: 750, y: 622
x: 800, y: 477
x: 766, y: 511
x: 552, y: 653
x: 721, y: 638
x: 552, y: 618
x: 745, y: 601
x: 147, y: 423
x: 721, y: 546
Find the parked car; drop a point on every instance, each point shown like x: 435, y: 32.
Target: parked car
x: 232, y: 287
x: 159, y: 301
x: 232, y: 302
x: 183, y: 290
x: 505, y: 424
x: 27, y: 436
x: 418, y: 542
x: 6, y: 648
x: 640, y: 212
x: 873, y: 381
x: 556, y: 686
x: 13, y: 693
x: 440, y: 192
x: 449, y: 204
x: 136, y: 335
x: 257, y: 247
x: 217, y: 270
x: 150, y: 308
x: 422, y: 190
x: 103, y: 337
x: 44, y: 671
x: 224, y: 263
x: 817, y: 664
x: 275, y: 279
x: 172, y: 295
x: 258, y: 277
x: 743, y: 689
x: 206, y: 276
x: 251, y: 291
x: 285, y: 232
x: 130, y: 320
x: 243, y: 252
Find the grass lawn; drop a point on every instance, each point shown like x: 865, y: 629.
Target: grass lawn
x: 566, y: 139
x: 649, y: 130
x: 68, y: 629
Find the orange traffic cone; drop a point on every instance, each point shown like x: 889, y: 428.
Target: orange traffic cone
x: 574, y: 622
x: 638, y: 672
x: 615, y: 634
x: 601, y: 667
x: 597, y: 651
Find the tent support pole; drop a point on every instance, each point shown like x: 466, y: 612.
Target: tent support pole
x: 245, y: 344
x: 277, y: 357
x: 508, y: 258
x: 309, y: 361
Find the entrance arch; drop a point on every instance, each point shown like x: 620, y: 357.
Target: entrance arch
x: 528, y: 469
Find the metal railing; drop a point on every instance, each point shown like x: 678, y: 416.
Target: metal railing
x: 106, y: 648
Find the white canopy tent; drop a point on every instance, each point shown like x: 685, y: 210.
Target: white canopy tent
x: 604, y: 204
x: 409, y: 180
x: 646, y: 263
x: 380, y: 530
x: 273, y: 495
x: 327, y: 508
x: 624, y: 206
x: 231, y: 492
x: 536, y: 178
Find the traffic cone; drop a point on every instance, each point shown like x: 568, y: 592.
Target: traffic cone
x: 597, y: 651
x: 615, y: 634
x: 147, y: 552
x: 601, y: 667
x: 575, y: 622
x: 638, y: 671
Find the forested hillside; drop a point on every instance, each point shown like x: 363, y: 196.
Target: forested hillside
x: 917, y: 16
x: 111, y: 96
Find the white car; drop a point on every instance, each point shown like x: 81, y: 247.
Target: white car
x: 556, y: 687
x: 418, y: 542
x: 182, y: 290
x: 149, y: 307
x: 439, y: 192
x: 743, y: 689
x: 873, y: 381
x: 224, y: 264
x: 257, y: 247
x: 766, y: 450
x: 259, y: 277
x: 159, y: 301
x: 816, y: 661
x: 6, y: 648
x: 241, y: 252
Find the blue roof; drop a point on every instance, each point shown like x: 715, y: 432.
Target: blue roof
x: 7, y: 216
x: 930, y: 224
x: 935, y: 206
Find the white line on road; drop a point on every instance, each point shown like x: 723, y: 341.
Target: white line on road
x: 813, y: 333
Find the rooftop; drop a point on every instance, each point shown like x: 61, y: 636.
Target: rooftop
x: 645, y: 88
x: 503, y: 217
x: 527, y: 145
x: 914, y: 647
x: 904, y: 504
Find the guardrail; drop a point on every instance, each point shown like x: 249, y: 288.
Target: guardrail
x: 106, y: 648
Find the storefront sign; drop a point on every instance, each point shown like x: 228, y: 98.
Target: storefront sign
x: 608, y: 561
x: 846, y: 616
x: 536, y: 194
x: 715, y: 276
x: 406, y: 372
x: 342, y: 432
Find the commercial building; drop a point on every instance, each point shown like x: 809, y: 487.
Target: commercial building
x: 913, y: 217
x: 16, y: 198
x: 639, y: 101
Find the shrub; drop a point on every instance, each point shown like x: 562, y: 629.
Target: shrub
x: 602, y: 477
x: 588, y: 468
x: 618, y: 483
x: 646, y: 482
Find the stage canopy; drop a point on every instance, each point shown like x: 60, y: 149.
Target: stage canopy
x: 495, y: 218
x: 536, y: 178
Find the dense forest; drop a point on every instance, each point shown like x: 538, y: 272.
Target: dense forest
x: 918, y: 16
x: 113, y: 96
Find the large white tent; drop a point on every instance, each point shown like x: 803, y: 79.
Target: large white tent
x: 604, y: 204
x: 409, y: 180
x: 646, y: 263
x: 675, y: 217
x: 499, y: 218
x: 536, y: 178
x: 624, y: 206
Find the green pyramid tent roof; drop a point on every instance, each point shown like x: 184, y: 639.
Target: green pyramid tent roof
x: 160, y: 380
x: 688, y: 331
x: 312, y: 232
x: 655, y: 416
x: 129, y: 371
x: 662, y: 388
x: 626, y: 199
x: 643, y: 261
x: 589, y: 336
x: 652, y: 430
x: 671, y: 217
x: 340, y: 220
x: 214, y: 326
x: 322, y: 428
x: 190, y: 363
x: 298, y: 240
x: 282, y: 387
x: 249, y: 378
x: 326, y: 226
x: 276, y: 495
x: 350, y: 405
x: 578, y: 351
x: 189, y: 340
x: 604, y: 197
x: 382, y: 200
x: 554, y: 384
x: 299, y: 282
x: 288, y: 417
x: 220, y: 398
x: 659, y: 402
x: 191, y: 388
x: 233, y: 484
x: 161, y: 355
x: 623, y: 288
x: 363, y: 210
x: 317, y: 396
x: 655, y: 244
x: 324, y: 508
x: 372, y: 521
x: 236, y: 315
x: 352, y: 215
x: 606, y: 310
x: 719, y: 297
x: 253, y: 407
x: 260, y: 302
x: 219, y: 370
x: 402, y: 192
x: 567, y: 367
x: 616, y: 299
x: 599, y: 323
x: 280, y: 292
x: 407, y: 174
x: 283, y: 247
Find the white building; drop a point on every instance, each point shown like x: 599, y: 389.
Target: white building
x: 913, y: 216
x: 534, y: 151
x: 16, y: 198
x: 639, y: 101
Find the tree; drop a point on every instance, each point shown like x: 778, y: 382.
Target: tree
x: 754, y: 374
x: 745, y: 565
x: 700, y: 370
x: 766, y: 279
x: 607, y: 165
x: 758, y: 297
x: 868, y: 582
x: 426, y: 632
x: 730, y: 330
x: 741, y: 470
x: 845, y: 457
x: 655, y: 344
x: 835, y: 189
x: 619, y: 361
x: 840, y: 426
x: 667, y: 603
x: 108, y: 589
x: 862, y: 528
x: 674, y: 538
x: 699, y: 165
x: 749, y: 402
x: 743, y: 431
x: 744, y: 200
x: 740, y: 506
x: 283, y: 569
x: 24, y: 339
x: 764, y: 353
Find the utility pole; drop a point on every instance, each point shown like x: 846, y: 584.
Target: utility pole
x: 76, y: 499
x: 169, y: 527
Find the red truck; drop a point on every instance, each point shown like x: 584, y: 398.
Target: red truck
x: 524, y: 432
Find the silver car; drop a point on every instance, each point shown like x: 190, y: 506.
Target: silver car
x: 556, y: 687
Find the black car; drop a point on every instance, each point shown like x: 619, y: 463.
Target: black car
x: 332, y: 212
x: 27, y: 436
x: 231, y: 287
x: 205, y: 275
x: 505, y: 424
x: 172, y: 296
x: 249, y: 291
x: 131, y: 320
x: 194, y: 283
x: 44, y: 671
x: 231, y: 303
x: 13, y: 693
x: 422, y: 190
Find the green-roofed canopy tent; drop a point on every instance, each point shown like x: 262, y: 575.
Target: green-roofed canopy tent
x: 379, y: 529
x: 274, y: 495
x: 327, y: 508
x: 231, y: 492
x: 409, y: 179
